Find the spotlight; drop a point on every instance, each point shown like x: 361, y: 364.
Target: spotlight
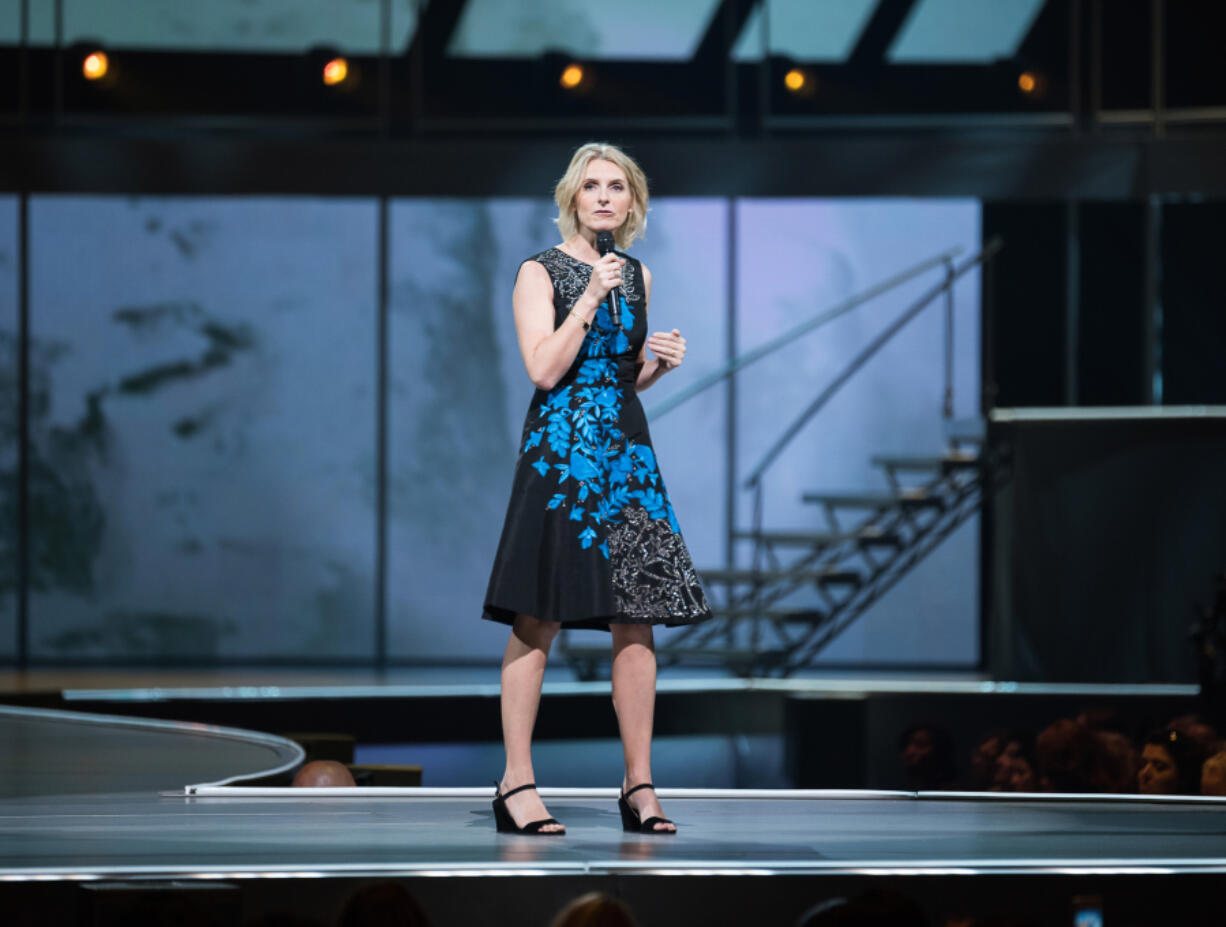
x: 795, y: 80
x: 571, y: 77
x: 336, y: 72
x: 1032, y: 83
x: 96, y: 65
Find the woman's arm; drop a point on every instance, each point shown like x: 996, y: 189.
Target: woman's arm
x: 549, y: 352
x: 669, y: 348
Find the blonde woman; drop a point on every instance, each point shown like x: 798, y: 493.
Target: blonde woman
x: 590, y: 538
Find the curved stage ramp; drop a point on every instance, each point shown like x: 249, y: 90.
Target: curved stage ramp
x: 97, y: 821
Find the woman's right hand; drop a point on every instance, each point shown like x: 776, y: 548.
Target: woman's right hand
x: 606, y: 274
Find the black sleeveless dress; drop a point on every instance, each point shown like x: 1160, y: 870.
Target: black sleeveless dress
x: 590, y: 538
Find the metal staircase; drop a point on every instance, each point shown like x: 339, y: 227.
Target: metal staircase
x: 802, y: 589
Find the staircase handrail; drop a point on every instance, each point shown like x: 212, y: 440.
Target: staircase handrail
x: 985, y: 254
x: 756, y: 354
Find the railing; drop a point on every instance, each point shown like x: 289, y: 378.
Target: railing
x: 946, y: 287
x: 783, y: 340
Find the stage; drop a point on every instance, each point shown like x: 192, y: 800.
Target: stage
x: 97, y: 809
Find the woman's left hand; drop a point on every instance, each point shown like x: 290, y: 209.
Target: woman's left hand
x: 668, y: 347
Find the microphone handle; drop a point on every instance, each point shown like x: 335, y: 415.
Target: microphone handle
x: 615, y: 306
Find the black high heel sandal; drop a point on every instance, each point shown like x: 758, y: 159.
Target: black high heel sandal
x: 506, y: 824
x: 632, y: 822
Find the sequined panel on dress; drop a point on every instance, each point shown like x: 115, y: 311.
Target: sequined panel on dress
x: 653, y: 576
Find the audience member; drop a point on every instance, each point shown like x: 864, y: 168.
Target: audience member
x: 1015, y: 769
x: 1170, y: 764
x: 382, y: 904
x: 1213, y: 775
x: 1072, y: 758
x: 928, y: 757
x: 983, y: 760
x: 595, y: 909
x: 322, y: 774
x: 1198, y: 730
x: 1120, y: 762
x: 878, y: 907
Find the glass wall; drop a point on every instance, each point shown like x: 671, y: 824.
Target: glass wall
x: 204, y: 402
x: 202, y: 428
x: 796, y: 259
x: 9, y: 261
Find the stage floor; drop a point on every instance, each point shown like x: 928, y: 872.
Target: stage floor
x: 110, y: 802
x: 144, y: 834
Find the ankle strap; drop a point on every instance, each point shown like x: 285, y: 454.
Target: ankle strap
x: 644, y: 785
x: 521, y: 788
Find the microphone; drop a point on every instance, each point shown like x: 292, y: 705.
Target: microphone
x: 604, y: 244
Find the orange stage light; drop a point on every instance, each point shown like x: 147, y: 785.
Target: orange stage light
x: 795, y: 80
x: 95, y: 65
x: 572, y: 76
x: 336, y: 71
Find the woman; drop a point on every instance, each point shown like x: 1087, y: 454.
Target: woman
x: 590, y: 539
x: 1170, y: 764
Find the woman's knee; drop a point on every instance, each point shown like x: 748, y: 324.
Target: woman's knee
x: 626, y: 634
x: 534, y: 632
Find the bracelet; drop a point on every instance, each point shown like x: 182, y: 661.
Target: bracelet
x: 582, y: 320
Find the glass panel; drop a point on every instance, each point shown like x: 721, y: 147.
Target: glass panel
x: 963, y: 31
x: 591, y: 29
x: 234, y: 25
x: 807, y: 30
x: 797, y: 258
x: 459, y: 395
x: 203, y: 428
x: 10, y: 261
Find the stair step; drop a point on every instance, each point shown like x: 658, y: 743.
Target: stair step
x: 908, y: 498
x: 834, y: 576
x: 945, y: 463
x: 867, y: 538
x: 968, y: 430
x: 790, y: 615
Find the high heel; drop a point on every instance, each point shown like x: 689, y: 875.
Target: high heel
x: 506, y: 824
x: 632, y: 822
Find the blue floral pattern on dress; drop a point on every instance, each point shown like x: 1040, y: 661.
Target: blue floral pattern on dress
x: 579, y: 441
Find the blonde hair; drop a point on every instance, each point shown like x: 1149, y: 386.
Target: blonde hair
x: 568, y: 188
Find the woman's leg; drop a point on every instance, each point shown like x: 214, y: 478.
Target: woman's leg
x: 523, y: 671
x: 634, y: 700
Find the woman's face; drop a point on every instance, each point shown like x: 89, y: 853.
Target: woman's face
x: 604, y: 197
x: 1158, y: 774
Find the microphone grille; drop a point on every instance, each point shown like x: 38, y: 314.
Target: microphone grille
x: 604, y: 242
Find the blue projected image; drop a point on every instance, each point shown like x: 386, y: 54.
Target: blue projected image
x: 204, y: 398
x: 202, y: 427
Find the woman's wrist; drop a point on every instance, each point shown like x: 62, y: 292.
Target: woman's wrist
x: 586, y: 306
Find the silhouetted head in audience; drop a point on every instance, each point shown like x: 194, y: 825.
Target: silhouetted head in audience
x: 1120, y: 762
x: 595, y: 909
x: 878, y: 907
x: 1072, y: 758
x: 927, y: 753
x: 322, y: 774
x: 1196, y: 729
x: 1213, y: 775
x: 983, y: 759
x: 1170, y: 764
x: 382, y: 904
x: 1016, y: 766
